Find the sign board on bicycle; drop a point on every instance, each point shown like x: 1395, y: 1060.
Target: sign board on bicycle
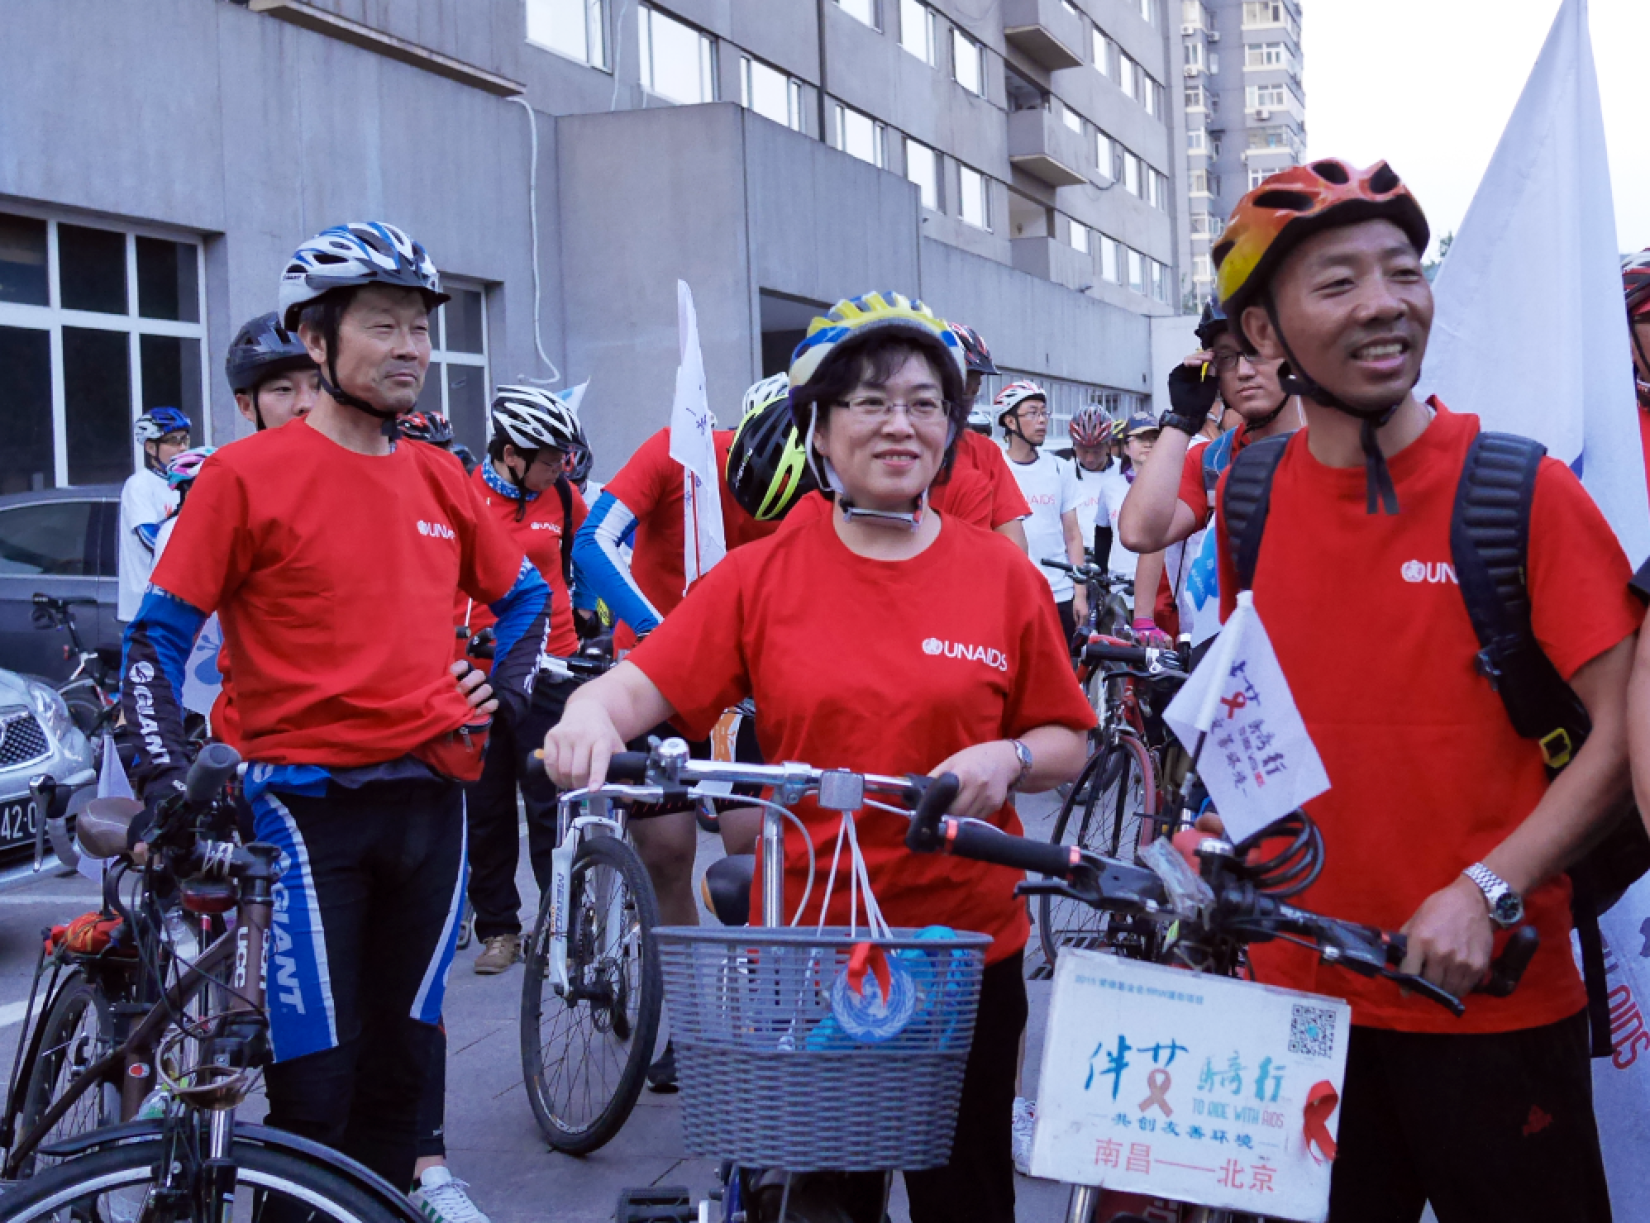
x: 1256, y: 757
x: 1190, y: 1087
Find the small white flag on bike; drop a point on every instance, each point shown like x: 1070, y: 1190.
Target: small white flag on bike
x: 1257, y: 760
x: 691, y: 445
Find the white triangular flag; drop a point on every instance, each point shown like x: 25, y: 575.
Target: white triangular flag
x: 1257, y: 760
x: 201, y: 679
x: 691, y: 445
x: 574, y: 396
x: 1536, y: 256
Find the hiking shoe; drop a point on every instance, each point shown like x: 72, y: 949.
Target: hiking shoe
x: 441, y: 1198
x: 661, y: 1076
x: 498, y: 953
x: 1025, y: 1124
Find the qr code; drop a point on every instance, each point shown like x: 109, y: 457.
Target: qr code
x: 1312, y: 1031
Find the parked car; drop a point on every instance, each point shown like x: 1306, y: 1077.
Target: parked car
x: 38, y: 739
x: 60, y: 542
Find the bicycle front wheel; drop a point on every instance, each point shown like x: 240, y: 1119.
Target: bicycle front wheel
x: 118, y: 1185
x: 1110, y: 811
x: 585, y: 1053
x: 77, y: 1030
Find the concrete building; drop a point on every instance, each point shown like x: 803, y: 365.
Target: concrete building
x: 1245, y: 110
x: 1016, y: 164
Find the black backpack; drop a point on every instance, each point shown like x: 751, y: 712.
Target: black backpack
x: 1489, y: 541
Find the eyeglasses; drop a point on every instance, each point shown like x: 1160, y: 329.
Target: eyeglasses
x: 1032, y: 413
x: 868, y: 408
x: 1226, y: 362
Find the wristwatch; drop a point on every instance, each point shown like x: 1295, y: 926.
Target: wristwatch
x: 1506, y: 905
x: 1024, y: 753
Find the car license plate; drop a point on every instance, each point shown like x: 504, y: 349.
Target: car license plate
x: 18, y: 820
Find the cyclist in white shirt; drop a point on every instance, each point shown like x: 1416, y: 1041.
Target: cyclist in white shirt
x: 1050, y: 487
x: 146, y: 502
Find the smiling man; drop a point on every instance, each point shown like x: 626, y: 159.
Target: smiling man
x: 1441, y: 820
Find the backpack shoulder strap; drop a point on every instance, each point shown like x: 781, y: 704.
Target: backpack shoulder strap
x: 1489, y: 546
x: 564, y: 492
x: 1247, y: 500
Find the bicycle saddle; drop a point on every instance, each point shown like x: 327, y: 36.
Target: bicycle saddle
x: 102, y: 826
x: 726, y: 888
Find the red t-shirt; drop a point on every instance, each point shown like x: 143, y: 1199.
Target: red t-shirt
x: 865, y: 664
x: 650, y: 486
x: 1193, y: 494
x: 978, y: 453
x: 1644, y: 441
x: 333, y: 573
x: 1426, y: 771
x: 540, y: 534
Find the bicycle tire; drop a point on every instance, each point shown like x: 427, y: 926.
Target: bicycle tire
x: 580, y: 1121
x: 1097, y: 816
x: 81, y: 1188
x: 62, y: 1051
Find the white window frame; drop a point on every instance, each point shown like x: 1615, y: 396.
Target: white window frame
x: 959, y: 40
x: 793, y: 91
x: 54, y: 317
x: 442, y: 356
x: 1081, y: 239
x: 1265, y: 55
x: 1197, y: 140
x: 879, y: 134
x: 1137, y: 278
x: 915, y: 11
x: 1265, y: 97
x: 983, y: 195
x: 707, y: 56
x: 1258, y: 176
x: 938, y: 166
x: 870, y: 7
x: 1111, y: 262
x: 595, y: 34
x: 1105, y: 154
x: 1193, y: 53
x: 1071, y: 119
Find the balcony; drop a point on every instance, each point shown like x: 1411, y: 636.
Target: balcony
x: 1052, y: 260
x: 1045, y: 148
x: 1044, y: 31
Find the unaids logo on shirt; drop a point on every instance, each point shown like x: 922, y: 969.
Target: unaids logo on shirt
x: 936, y: 648
x: 436, y: 530
x: 545, y: 526
x: 1434, y: 572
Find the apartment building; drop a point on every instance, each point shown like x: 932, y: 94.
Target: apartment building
x: 1018, y: 164
x: 1245, y: 110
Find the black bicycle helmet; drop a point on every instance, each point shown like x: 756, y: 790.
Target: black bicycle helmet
x: 1212, y: 324
x: 767, y: 468
x: 977, y: 355
x: 431, y: 427
x: 261, y: 349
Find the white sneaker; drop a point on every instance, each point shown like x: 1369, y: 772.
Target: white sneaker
x: 1025, y: 1124
x: 440, y: 1197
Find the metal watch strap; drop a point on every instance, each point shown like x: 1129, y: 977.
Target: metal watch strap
x: 1024, y: 753
x: 1492, y: 885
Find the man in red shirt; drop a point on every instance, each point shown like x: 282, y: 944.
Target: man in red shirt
x: 331, y: 555
x: 1441, y: 820
x: 524, y: 486
x: 978, y: 454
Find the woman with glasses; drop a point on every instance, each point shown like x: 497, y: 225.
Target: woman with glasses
x: 884, y: 637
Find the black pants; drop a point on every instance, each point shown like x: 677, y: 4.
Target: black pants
x: 1068, y: 619
x: 978, y: 1184
x: 1484, y: 1127
x: 431, y: 1138
x: 366, y: 917
x: 495, y: 843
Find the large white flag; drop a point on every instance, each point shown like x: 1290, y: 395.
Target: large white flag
x: 1530, y: 333
x: 692, y: 446
x: 1257, y: 759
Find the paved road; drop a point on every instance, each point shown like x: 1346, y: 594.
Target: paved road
x: 492, y: 1140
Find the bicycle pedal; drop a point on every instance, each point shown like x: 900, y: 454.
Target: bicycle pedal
x: 659, y: 1204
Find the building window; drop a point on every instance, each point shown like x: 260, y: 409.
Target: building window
x: 574, y: 28
x: 858, y: 135
x: 1131, y: 174
x: 1148, y: 11
x: 1200, y: 225
x: 1151, y: 96
x: 1079, y: 238
x: 1264, y: 97
x: 1203, y: 268
x: 1137, y: 270
x: 1105, y: 154
x: 1071, y: 118
x: 1258, y: 13
x: 1104, y: 53
x: 97, y: 325
x: 1128, y: 76
x: 1196, y: 140
x: 457, y: 385
x: 1160, y: 280
x: 968, y: 62
x: 861, y: 10
x: 770, y: 93
x: 1196, y: 98
x: 917, y: 31
x: 1109, y: 260
x: 922, y: 166
x: 1193, y: 48
x: 1197, y: 182
x: 1265, y: 55
x: 678, y: 62
x: 1256, y: 177
x: 975, y: 204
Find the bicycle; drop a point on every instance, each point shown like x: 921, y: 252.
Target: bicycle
x: 192, y: 1056
x: 1117, y: 804
x: 92, y: 689
x: 1109, y: 610
x: 1230, y: 902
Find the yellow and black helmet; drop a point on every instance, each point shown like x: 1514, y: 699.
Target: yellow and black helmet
x: 767, y: 469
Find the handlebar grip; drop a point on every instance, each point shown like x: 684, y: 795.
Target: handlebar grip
x: 1509, y: 966
x: 938, y: 793
x: 1129, y: 655
x: 629, y: 767
x: 210, y: 772
x: 983, y: 843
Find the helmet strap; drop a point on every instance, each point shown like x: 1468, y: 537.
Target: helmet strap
x: 151, y: 459
x: 518, y: 481
x: 1296, y: 381
x: 1263, y: 421
x: 329, y: 376
x: 909, y: 520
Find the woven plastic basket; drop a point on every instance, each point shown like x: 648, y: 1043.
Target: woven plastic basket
x: 770, y: 1078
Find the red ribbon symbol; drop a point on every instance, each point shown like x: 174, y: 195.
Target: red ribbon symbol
x: 1320, y: 1104
x: 1234, y: 703
x: 869, y: 956
x: 1157, y: 1082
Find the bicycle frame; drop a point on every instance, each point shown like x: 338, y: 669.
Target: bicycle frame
x: 570, y: 835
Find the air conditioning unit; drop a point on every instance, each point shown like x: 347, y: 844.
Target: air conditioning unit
x: 1190, y: 29
x: 1214, y: 35
x: 1191, y: 70
x: 1263, y: 115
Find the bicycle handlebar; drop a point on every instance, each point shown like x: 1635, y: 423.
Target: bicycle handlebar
x: 1147, y: 658
x: 210, y: 772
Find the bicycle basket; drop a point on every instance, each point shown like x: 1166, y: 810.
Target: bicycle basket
x: 770, y: 1079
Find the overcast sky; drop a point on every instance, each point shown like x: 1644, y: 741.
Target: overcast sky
x: 1429, y: 84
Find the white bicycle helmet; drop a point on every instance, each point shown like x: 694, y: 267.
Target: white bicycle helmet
x: 352, y: 255
x: 979, y: 420
x: 763, y: 393
x: 530, y: 419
